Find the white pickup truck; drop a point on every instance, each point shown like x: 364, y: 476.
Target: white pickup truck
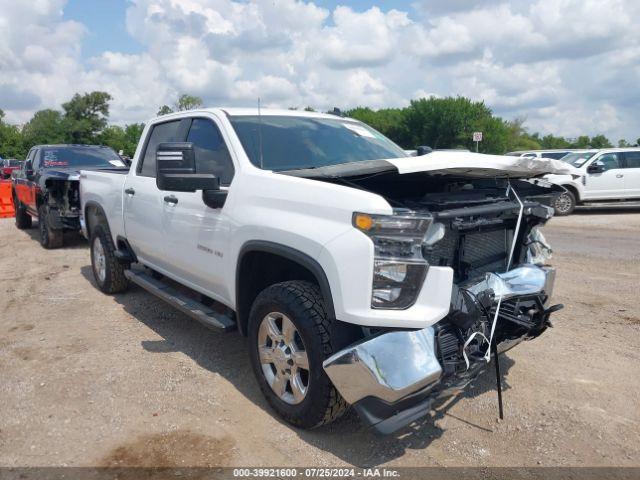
x: 605, y: 175
x: 362, y: 276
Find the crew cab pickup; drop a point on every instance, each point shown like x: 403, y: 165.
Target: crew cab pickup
x: 606, y: 175
x: 46, y: 187
x: 361, y: 276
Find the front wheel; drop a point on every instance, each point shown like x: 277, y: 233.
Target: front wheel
x: 108, y: 272
x: 289, y: 339
x: 49, y: 237
x: 565, y: 203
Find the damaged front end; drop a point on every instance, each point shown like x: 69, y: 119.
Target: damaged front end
x: 62, y: 199
x: 488, y: 235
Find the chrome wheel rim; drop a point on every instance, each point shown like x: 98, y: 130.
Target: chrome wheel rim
x: 563, y: 203
x: 283, y: 357
x: 99, y: 260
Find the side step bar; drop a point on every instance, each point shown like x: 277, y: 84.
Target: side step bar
x: 186, y: 305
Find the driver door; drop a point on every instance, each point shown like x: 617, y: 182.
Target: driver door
x: 606, y: 184
x: 197, y: 236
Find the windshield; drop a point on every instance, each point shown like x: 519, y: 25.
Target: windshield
x: 81, y: 157
x: 290, y: 142
x: 577, y: 159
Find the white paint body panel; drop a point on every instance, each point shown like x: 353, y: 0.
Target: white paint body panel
x: 199, y: 247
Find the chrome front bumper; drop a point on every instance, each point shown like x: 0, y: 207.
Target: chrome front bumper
x: 391, y: 368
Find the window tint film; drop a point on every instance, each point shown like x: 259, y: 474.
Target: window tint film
x: 632, y: 159
x: 161, y: 133
x: 212, y: 155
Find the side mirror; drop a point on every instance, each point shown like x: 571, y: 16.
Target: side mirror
x: 176, y: 169
x: 214, y: 198
x: 28, y: 169
x: 595, y: 167
x: 423, y: 150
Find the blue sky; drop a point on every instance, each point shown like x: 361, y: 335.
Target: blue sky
x: 568, y: 68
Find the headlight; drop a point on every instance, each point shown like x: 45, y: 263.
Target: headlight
x: 399, y: 268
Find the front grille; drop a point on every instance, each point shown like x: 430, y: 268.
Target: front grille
x: 472, y: 253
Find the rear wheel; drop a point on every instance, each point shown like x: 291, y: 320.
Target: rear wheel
x: 108, y: 272
x: 23, y: 219
x: 565, y: 203
x: 49, y: 237
x: 289, y: 339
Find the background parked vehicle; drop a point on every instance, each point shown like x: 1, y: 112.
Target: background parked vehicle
x: 7, y: 166
x: 554, y: 154
x: 46, y: 187
x: 605, y: 175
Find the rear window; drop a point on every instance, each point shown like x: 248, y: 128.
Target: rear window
x: 80, y: 157
x: 13, y: 163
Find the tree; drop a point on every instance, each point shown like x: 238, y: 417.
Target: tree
x: 622, y: 143
x: 86, y: 116
x: 583, y: 141
x: 164, y: 110
x: 600, y: 141
x: 125, y: 139
x: 46, y: 126
x: 11, y: 144
x: 188, y: 102
x: 391, y: 122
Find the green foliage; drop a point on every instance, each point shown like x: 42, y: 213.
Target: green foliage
x: 600, y: 141
x: 125, y: 139
x: 11, y: 144
x: 390, y: 122
x: 85, y: 116
x: 164, y: 110
x: 46, y: 126
x: 188, y: 102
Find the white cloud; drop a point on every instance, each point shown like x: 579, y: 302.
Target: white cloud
x: 568, y: 66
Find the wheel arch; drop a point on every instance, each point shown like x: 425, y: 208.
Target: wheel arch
x: 262, y: 263
x: 573, y: 189
x: 94, y: 215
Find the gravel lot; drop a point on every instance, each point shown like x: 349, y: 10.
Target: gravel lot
x: 88, y: 379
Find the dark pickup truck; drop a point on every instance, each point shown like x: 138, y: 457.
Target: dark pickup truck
x: 46, y: 187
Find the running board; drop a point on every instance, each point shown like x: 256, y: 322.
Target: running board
x: 186, y: 305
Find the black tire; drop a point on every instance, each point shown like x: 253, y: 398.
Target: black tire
x: 49, y: 237
x: 114, y: 280
x: 302, y: 303
x: 565, y: 203
x: 23, y: 219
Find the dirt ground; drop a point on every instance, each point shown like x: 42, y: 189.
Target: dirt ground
x: 88, y: 379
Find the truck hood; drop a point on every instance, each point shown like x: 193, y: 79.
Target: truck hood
x: 480, y: 165
x: 69, y: 173
x: 461, y: 164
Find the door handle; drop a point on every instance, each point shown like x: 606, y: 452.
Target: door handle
x: 619, y: 175
x: 129, y: 191
x: 170, y: 199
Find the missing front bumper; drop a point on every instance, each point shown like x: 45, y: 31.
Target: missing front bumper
x: 392, y: 378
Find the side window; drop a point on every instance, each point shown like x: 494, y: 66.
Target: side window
x: 35, y: 160
x: 161, y: 132
x: 632, y: 159
x: 609, y: 161
x: 212, y: 155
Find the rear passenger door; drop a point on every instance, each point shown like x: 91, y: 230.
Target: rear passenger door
x: 631, y: 172
x: 197, y: 236
x: 143, y: 201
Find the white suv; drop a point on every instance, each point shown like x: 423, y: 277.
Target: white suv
x: 601, y: 175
